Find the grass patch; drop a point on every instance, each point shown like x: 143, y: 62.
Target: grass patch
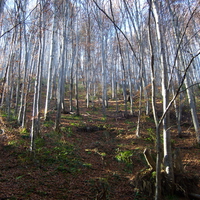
x: 48, y: 124
x: 120, y: 131
x: 128, y: 122
x: 51, y: 150
x: 71, y: 117
x: 59, y: 152
x: 68, y: 131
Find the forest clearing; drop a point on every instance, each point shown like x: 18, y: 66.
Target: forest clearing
x: 99, y: 99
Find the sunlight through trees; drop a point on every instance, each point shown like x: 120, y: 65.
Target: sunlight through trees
x: 122, y: 49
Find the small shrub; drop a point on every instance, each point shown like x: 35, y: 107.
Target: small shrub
x: 23, y: 131
x: 126, y: 157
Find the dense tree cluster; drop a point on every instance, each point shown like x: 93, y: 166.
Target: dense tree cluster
x: 109, y: 48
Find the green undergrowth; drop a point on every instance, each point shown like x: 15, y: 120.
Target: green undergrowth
x: 51, y: 150
x: 55, y: 150
x: 9, y: 117
x: 49, y: 123
x: 71, y: 117
x: 129, y: 158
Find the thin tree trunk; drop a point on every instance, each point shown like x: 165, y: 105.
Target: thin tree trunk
x: 19, y: 72
x: 104, y: 89
x: 22, y: 110
x: 51, y: 63
x: 158, y: 139
x: 35, y: 128
x: 130, y: 82
x: 61, y: 84
x: 77, y: 67
x: 165, y: 93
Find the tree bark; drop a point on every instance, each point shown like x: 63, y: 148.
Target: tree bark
x: 157, y: 9
x: 52, y: 62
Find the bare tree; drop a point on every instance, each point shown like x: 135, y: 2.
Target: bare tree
x: 52, y: 62
x: 35, y: 128
x: 22, y: 108
x: 61, y: 73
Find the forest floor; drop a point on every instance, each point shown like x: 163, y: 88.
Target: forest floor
x: 93, y: 157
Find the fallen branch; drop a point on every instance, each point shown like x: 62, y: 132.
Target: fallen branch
x: 149, y: 159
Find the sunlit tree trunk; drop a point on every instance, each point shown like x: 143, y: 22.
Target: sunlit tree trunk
x: 52, y: 61
x: 19, y: 63
x: 73, y: 64
x: 35, y: 128
x: 22, y: 108
x: 77, y: 69
x: 153, y: 86
x: 35, y: 117
x: 103, y: 63
x: 88, y: 62
x: 168, y: 165
x: 140, y: 105
x: 130, y: 81
x: 61, y: 83
x: 71, y: 82
x: 113, y: 79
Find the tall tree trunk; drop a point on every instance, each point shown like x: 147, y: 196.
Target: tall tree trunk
x: 104, y: 88
x: 61, y: 83
x: 19, y: 66
x: 158, y: 139
x: 35, y: 128
x: 130, y: 81
x: 77, y: 71
x: 52, y: 62
x: 168, y: 165
x: 22, y: 109
x: 88, y: 51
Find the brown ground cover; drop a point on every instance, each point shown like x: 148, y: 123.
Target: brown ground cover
x: 93, y: 157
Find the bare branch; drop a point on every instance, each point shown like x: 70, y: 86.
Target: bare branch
x: 116, y: 26
x: 179, y: 45
x: 8, y: 31
x: 179, y: 88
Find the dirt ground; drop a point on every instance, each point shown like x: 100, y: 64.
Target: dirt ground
x: 93, y: 157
